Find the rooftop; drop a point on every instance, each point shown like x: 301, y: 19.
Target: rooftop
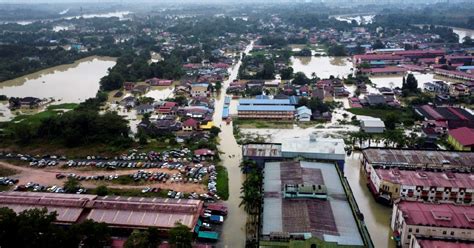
x: 313, y: 148
x: 419, y: 158
x: 262, y: 150
x: 131, y: 212
x: 330, y: 220
x: 440, y: 215
x: 427, y: 178
x: 265, y: 108
x: 426, y: 243
x: 264, y: 102
x: 464, y: 135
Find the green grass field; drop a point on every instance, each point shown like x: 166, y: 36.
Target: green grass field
x: 222, y: 182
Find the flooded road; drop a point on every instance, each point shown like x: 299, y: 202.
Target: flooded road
x: 377, y: 216
x: 72, y: 83
x: 233, y: 233
x: 323, y: 66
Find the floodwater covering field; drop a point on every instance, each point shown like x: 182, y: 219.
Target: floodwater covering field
x: 72, y: 83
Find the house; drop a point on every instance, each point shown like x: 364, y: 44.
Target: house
x: 190, y: 125
x: 129, y: 85
x: 204, y: 154
x: 303, y: 113
x: 438, y: 87
x: 30, y: 102
x: 372, y: 125
x: 200, y: 90
x: 453, y: 116
x: 145, y: 109
x: 128, y: 102
x: 140, y: 89
x: 168, y: 108
x: 462, y: 139
x: 375, y: 99
x: 324, y: 116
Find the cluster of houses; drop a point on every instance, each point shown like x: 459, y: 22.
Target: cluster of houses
x: 454, y: 122
x: 446, y: 92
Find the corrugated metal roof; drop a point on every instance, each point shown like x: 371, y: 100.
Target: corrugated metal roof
x: 264, y: 102
x: 265, y: 108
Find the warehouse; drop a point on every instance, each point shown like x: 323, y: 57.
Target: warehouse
x: 272, y: 112
x: 312, y: 148
x: 303, y: 216
x: 115, y: 211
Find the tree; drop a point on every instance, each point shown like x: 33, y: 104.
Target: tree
x: 102, y: 190
x: 378, y: 45
x: 180, y: 236
x: 138, y: 239
x: 337, y: 50
x: 215, y: 131
x: 300, y: 79
x: 92, y: 234
x: 286, y: 73
x: 71, y: 185
x: 218, y: 86
x: 467, y: 40
x: 391, y: 120
x: 410, y: 85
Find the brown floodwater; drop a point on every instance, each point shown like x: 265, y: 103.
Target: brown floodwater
x: 377, y: 217
x: 71, y: 83
x: 323, y: 66
x: 233, y: 233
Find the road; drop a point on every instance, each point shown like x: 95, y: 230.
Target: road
x: 233, y: 233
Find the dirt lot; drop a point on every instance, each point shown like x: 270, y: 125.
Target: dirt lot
x: 47, y: 176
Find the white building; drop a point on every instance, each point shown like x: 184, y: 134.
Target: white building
x: 372, y: 125
x: 303, y: 113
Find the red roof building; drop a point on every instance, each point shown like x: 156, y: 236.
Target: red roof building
x: 190, y: 124
x: 462, y: 138
x: 431, y: 220
x: 115, y: 211
x: 427, y: 243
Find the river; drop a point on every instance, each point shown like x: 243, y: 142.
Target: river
x: 233, y: 233
x: 71, y: 83
x: 461, y: 32
x: 122, y: 15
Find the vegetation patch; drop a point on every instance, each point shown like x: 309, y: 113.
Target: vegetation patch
x: 222, y: 182
x: 263, y: 124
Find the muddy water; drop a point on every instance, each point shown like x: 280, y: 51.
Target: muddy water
x: 323, y: 66
x: 377, y: 217
x: 233, y: 233
x: 67, y: 83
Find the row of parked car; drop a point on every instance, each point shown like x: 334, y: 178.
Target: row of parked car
x: 36, y: 187
x: 8, y: 181
x: 87, y: 178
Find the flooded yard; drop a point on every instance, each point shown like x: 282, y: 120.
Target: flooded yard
x: 322, y: 66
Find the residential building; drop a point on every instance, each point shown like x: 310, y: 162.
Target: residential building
x: 200, y: 89
x: 440, y: 243
x: 306, y: 201
x: 303, y: 113
x: 145, y: 109
x: 372, y: 125
x: 140, y: 89
x: 30, y: 102
x: 438, y: 87
x: 190, y: 125
x: 462, y: 139
x: 389, y: 185
x: 168, y: 108
x: 432, y: 221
